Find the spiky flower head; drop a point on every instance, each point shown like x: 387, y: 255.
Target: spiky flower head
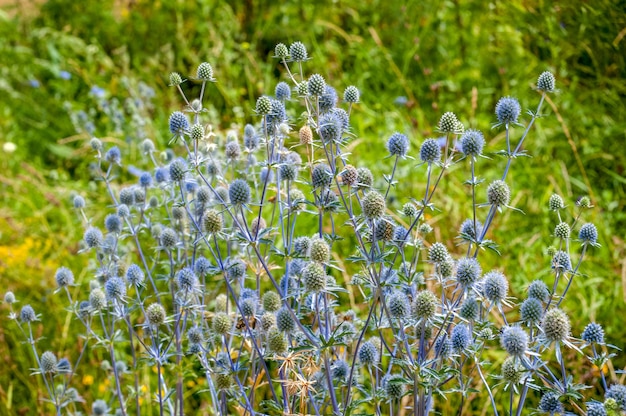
x: 351, y: 94
x: 373, y: 205
x: 298, y: 52
x: 562, y: 231
x: 584, y: 202
x: 531, y: 311
x: 460, y: 337
x: 498, y: 193
x: 97, y: 299
x: 135, y: 275
x: 409, y: 210
x: 349, y: 175
x: 617, y: 392
x: 9, y: 297
x: 448, y: 123
x: 588, y: 234
x: 282, y: 91
x: 113, y: 223
x: 155, y: 315
x: 556, y: 326
x: 555, y: 203
x: 424, y: 304
x: 316, y: 85
x: 281, y: 51
x: 469, y: 309
x: 186, y: 279
x: 168, y: 238
x: 443, y: 346
x: 221, y: 323
x: 314, y: 277
x: 468, y: 271
x: 232, y: 150
x: 550, y: 403
x: 271, y: 301
x: 398, y: 304
x: 306, y: 135
x: 538, y: 290
x: 561, y: 261
x: 284, y: 320
x: 437, y: 253
x: 78, y: 202
x: 302, y: 89
x: 27, y: 314
x: 467, y: 231
x: 179, y: 125
x: 398, y: 145
x: 546, y: 82
x: 330, y: 128
x: 223, y: 381
x: 115, y: 289
x: 430, y: 152
x: 596, y: 409
x: 99, y: 408
x: 239, y: 192
x: 175, y: 79
x: 328, y: 100
x: 495, y: 287
x: 593, y: 333
x: 365, y: 179
x: 302, y: 245
x: 368, y: 353
x: 276, y: 341
x: 263, y: 105
x: 64, y: 277
x: 177, y: 170
x: 512, y: 372
x: 113, y: 155
x: 93, y: 237
x: 319, y: 250
x: 321, y: 176
x: 394, y: 386
x: 472, y: 143
x: 212, y: 221
x: 508, y: 110
x: 384, y: 230
x: 514, y: 340
x: 205, y: 72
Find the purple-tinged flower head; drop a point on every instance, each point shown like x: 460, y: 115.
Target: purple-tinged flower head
x: 135, y: 275
x: 514, y: 340
x: 78, y: 202
x: 239, y: 192
x: 97, y: 91
x: 161, y: 175
x: 232, y: 150
x: 113, y: 223
x: 187, y: 279
x: 65, y: 75
x: 48, y: 362
x: 430, y: 152
x: 399, y: 305
x: 250, y: 138
x: 321, y: 176
x: 593, y: 333
x: 93, y: 237
x: 561, y: 261
x: 27, y: 314
x: 236, y: 269
x: 469, y: 309
x: 113, y: 155
x: 168, y: 238
x: 443, y: 346
x: 508, y: 110
x: 472, y: 143
x: 617, y: 392
x: 282, y: 91
x: 145, y: 179
x: 330, y: 128
x: 202, y: 266
x: 328, y: 100
x: 123, y: 211
x: 550, y: 403
x: 460, y: 337
x: 494, y: 287
x: 596, y: 409
x: 467, y: 231
x: 64, y: 366
x: 531, y: 311
x: 368, y: 353
x: 64, y: 277
x: 588, y: 234
x: 9, y: 298
x: 179, y: 124
x: 115, y: 289
x: 538, y: 290
x: 468, y: 271
x: 398, y: 145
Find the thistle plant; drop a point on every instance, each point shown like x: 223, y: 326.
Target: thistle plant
x: 221, y: 265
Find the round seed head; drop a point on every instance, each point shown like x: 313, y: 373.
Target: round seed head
x: 271, y: 301
x: 147, y: 146
x: 195, y: 335
x: 472, y: 143
x: 298, y: 52
x: 351, y: 94
x: 469, y: 309
x: 276, y: 341
x: 498, y: 193
x: 314, y: 277
x: 223, y: 381
x: 531, y: 311
x: 339, y: 370
x: 550, y: 403
x: 127, y: 196
x: 562, y: 231
x: 64, y: 277
x: 319, y: 250
x: 384, y: 230
x: 212, y: 221
x: 546, y: 82
x: 437, y: 253
x: 282, y: 91
x: 593, y: 333
x: 93, y: 237
x: 538, y: 290
x: 316, y: 85
x: 281, y: 51
x: 64, y: 366
x: 302, y: 89
x: 398, y: 304
x: 447, y: 267
x: 409, y: 210
x: 284, y: 320
x: 302, y: 245
x: 168, y: 238
x: 155, y: 315
x: 321, y: 176
x: 430, y: 152
x: 221, y: 323
x: 508, y: 110
x: 205, y: 72
x: 512, y: 372
x: 424, y: 305
x: 179, y: 124
x: 460, y: 337
x: 97, y: 299
x: 373, y: 205
x: 145, y: 180
x: 448, y: 123
x: 556, y: 326
x: 398, y: 145
x: 365, y: 179
x: 239, y: 192
x: 467, y: 232
x: 495, y: 287
x: 394, y: 386
x: 514, y: 340
x: 588, y: 234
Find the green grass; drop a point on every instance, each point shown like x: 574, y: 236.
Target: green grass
x: 436, y: 56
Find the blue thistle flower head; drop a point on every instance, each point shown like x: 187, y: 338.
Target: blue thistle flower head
x: 179, y: 124
x: 508, y: 110
x: 398, y: 145
x: 593, y: 333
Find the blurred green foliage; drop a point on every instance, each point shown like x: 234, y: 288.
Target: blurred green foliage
x: 411, y: 60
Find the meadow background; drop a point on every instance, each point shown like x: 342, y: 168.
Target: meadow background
x: 412, y: 62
